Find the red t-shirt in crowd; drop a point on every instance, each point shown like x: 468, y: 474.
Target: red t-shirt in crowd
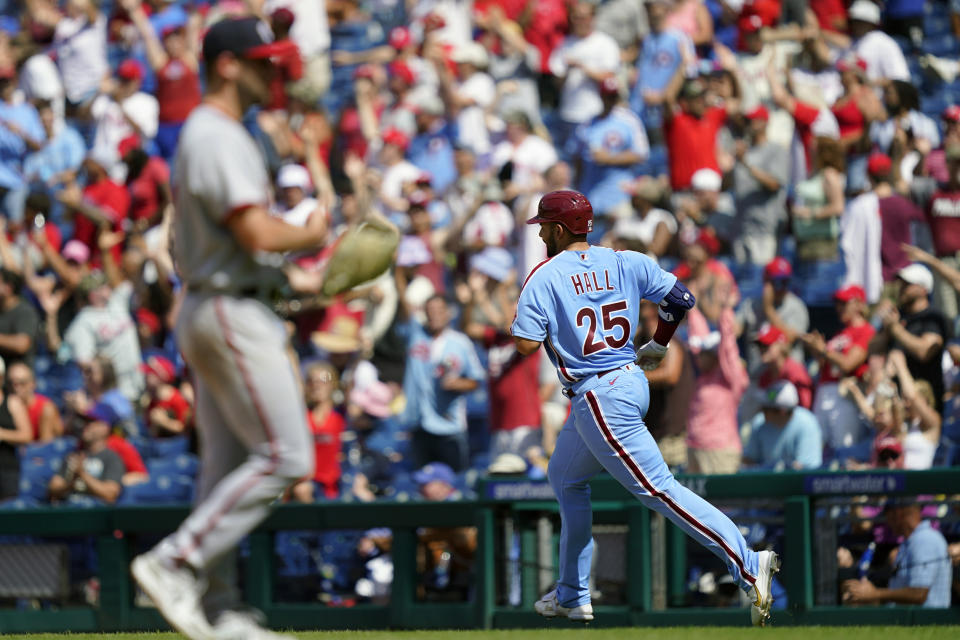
x: 831, y: 14
x: 35, y: 411
x: 178, y: 91
x: 804, y: 115
x: 289, y: 68
x: 145, y: 189
x: 54, y: 237
x: 514, y: 384
x: 849, y: 117
x: 848, y: 338
x: 692, y: 144
x: 132, y: 461
x: 174, y: 404
x: 326, y: 447
x: 943, y: 214
x: 795, y: 373
x: 114, y: 201
x: 896, y: 214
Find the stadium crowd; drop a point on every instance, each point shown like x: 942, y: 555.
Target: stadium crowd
x: 796, y: 163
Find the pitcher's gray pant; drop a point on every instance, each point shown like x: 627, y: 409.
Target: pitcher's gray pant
x: 251, y: 419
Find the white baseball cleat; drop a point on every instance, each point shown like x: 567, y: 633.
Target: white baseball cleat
x: 549, y: 607
x: 176, y: 592
x: 244, y: 625
x: 760, y: 609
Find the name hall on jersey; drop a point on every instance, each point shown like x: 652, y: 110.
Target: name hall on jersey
x: 587, y: 282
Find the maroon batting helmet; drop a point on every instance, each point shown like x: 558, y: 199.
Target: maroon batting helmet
x: 569, y: 208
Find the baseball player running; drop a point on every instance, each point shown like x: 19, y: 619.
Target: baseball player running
x: 254, y: 437
x: 583, y: 303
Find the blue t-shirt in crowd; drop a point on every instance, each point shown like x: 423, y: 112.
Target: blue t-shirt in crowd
x: 12, y: 146
x: 429, y: 360
x: 432, y: 151
x: 799, y: 441
x: 659, y: 59
x: 618, y: 131
x: 64, y: 152
x: 352, y: 37
x: 923, y: 561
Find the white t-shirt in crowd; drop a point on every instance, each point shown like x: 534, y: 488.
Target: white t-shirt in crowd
x: 391, y: 185
x: 491, y: 225
x: 111, y: 119
x: 644, y: 229
x: 298, y: 215
x: 822, y: 88
x: 860, y: 243
x: 580, y: 99
x: 40, y: 80
x: 310, y: 29
x: 81, y: 49
x: 883, y: 56
x: 530, y: 158
x: 532, y: 249
x: 471, y: 122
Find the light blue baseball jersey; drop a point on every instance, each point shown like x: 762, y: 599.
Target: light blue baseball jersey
x: 923, y: 561
x: 585, y: 305
x: 429, y: 360
x: 798, y: 442
x: 618, y: 131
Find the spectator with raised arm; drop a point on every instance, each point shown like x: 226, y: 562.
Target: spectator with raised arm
x: 606, y: 151
x: 915, y: 327
x: 777, y: 307
x: 174, y: 58
x: 581, y: 62
x: 845, y: 354
x: 713, y: 438
x: 662, y: 54
x: 923, y: 421
x: 104, y: 327
x: 121, y: 110
x: 442, y: 367
x: 759, y: 179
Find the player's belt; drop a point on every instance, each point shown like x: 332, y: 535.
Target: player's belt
x: 259, y: 293
x: 569, y: 392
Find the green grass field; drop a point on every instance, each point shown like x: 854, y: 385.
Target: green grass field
x: 636, y: 633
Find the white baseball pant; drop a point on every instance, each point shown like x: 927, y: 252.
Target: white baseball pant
x: 251, y: 419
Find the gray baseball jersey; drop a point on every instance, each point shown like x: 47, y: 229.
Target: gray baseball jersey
x: 219, y: 171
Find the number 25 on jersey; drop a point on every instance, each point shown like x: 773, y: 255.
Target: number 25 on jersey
x: 611, y: 324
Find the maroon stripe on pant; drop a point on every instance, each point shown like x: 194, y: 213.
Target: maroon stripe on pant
x: 234, y: 497
x: 637, y: 472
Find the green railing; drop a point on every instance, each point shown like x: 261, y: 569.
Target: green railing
x: 523, y: 503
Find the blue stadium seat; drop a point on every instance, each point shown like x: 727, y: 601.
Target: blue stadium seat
x: 159, y: 489
x: 936, y: 10
x: 294, y: 555
x: 185, y: 464
x: 944, y: 45
x: 39, y: 463
x: 934, y: 105
x: 934, y: 26
x: 947, y: 454
x: 951, y: 428
x: 169, y: 447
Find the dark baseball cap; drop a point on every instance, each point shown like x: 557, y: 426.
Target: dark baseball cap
x: 248, y: 38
